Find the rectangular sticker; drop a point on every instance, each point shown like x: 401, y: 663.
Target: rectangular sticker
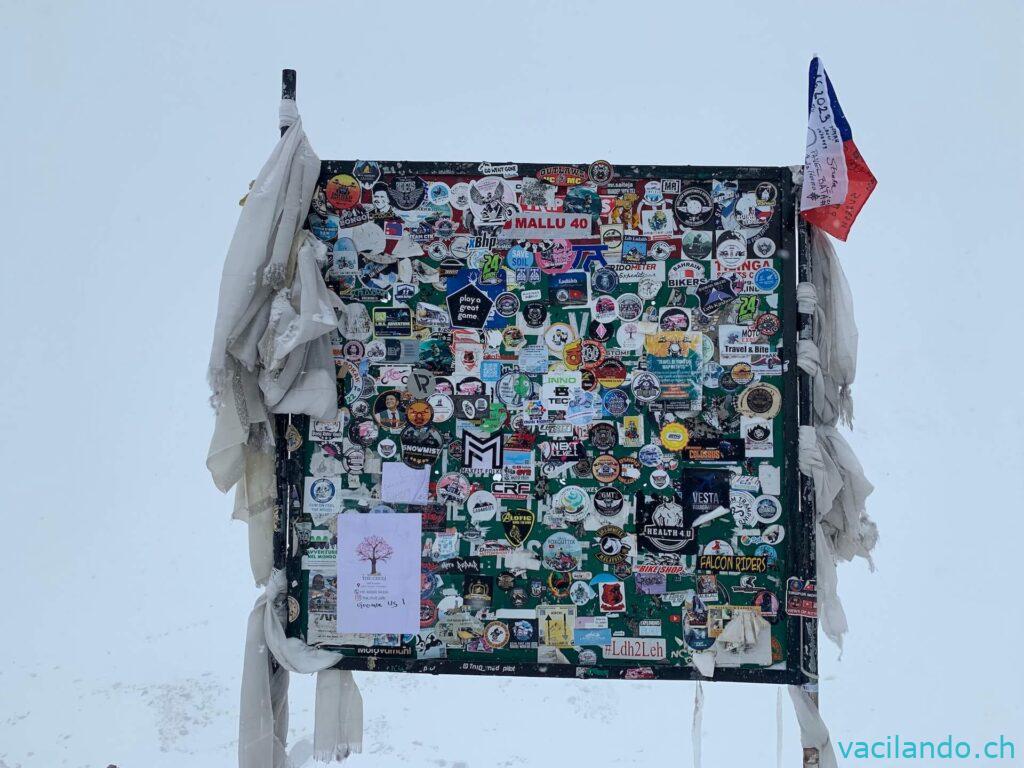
x: 379, y: 573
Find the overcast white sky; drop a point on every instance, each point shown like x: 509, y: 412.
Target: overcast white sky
x: 131, y: 129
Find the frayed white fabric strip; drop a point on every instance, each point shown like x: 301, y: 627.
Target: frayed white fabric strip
x: 827, y: 485
x: 255, y: 266
x: 263, y: 721
x: 835, y: 328
x: 338, y: 730
x: 813, y: 731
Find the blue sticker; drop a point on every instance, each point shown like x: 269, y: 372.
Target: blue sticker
x: 592, y: 637
x: 766, y: 279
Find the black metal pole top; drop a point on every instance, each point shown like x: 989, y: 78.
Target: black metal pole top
x: 288, y: 84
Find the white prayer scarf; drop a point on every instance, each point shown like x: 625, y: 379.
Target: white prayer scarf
x: 255, y: 266
x: 269, y: 656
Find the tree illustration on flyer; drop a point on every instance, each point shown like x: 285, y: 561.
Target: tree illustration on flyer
x: 375, y: 549
x: 379, y: 572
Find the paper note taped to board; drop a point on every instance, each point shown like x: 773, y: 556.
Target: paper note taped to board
x: 379, y: 573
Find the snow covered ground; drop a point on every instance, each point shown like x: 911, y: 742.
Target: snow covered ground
x: 132, y: 129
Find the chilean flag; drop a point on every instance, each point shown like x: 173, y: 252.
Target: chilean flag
x: 837, y: 181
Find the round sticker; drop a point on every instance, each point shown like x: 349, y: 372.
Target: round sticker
x: 605, y: 309
x: 535, y: 313
x: 453, y: 487
x: 419, y: 413
x: 363, y: 432
x: 439, y: 193
x: 603, y: 436
x: 611, y: 549
x: 600, y: 331
x: 322, y: 490
x: 767, y: 324
x: 767, y: 508
x: 458, y: 196
x: 605, y: 468
x: 557, y: 336
x: 697, y: 245
x: 674, y: 436
x: 581, y: 593
x: 768, y: 552
x: 660, y: 479
x: 387, y: 448
x: 562, y: 553
x: 674, y: 319
x: 443, y: 407
x: 693, y: 207
x: 630, y: 336
x: 608, y: 501
x: 629, y: 306
x: 507, y: 304
x: 760, y: 399
x: 773, y: 534
x: 496, y: 634
x: 718, y: 547
x: 616, y: 402
x: 420, y: 447
x: 629, y: 469
x: 600, y: 172
x: 353, y: 351
x: 343, y: 192
x: 592, y: 353
x: 605, y: 280
x: 572, y: 502
x: 742, y: 373
x: 513, y: 338
x: 731, y: 249
x: 513, y: 388
x: 764, y: 247
x: 766, y: 279
x: 741, y: 503
x: 482, y: 506
x: 645, y: 386
x: 611, y: 373
x: 650, y: 455
x: 389, y: 411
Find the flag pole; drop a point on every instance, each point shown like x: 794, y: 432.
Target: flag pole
x: 808, y: 516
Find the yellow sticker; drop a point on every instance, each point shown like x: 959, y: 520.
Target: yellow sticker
x: 674, y: 436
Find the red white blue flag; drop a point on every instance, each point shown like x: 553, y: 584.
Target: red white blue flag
x: 837, y: 181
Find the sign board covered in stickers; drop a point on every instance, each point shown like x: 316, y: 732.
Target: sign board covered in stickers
x: 567, y: 441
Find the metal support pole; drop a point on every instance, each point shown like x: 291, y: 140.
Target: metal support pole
x: 808, y: 569
x: 281, y: 423
x: 287, y: 87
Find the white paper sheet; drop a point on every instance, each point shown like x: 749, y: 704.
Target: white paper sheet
x: 401, y: 484
x: 379, y: 572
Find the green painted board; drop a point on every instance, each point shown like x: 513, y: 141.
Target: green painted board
x: 592, y: 370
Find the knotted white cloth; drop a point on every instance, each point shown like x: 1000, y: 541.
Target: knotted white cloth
x: 835, y: 328
x: 813, y: 731
x: 263, y: 720
x: 271, y: 350
x: 255, y: 266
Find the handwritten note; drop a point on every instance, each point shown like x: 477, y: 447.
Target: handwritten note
x: 379, y: 572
